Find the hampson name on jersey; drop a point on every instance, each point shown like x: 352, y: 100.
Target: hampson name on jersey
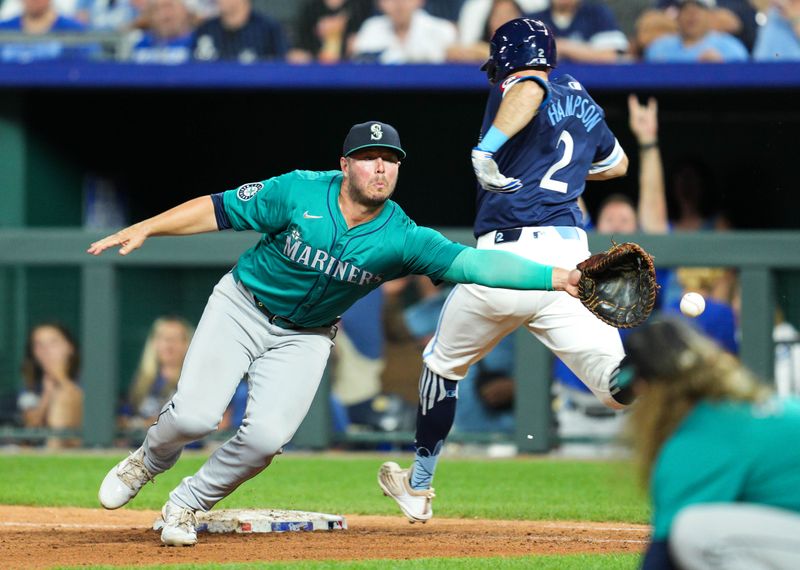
x: 578, y: 106
x: 325, y: 263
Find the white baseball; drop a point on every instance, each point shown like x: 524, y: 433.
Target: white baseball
x: 693, y: 304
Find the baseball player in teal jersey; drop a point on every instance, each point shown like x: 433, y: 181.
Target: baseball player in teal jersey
x: 718, y: 451
x: 328, y: 238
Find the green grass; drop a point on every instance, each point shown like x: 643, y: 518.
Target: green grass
x: 521, y: 489
x: 567, y: 562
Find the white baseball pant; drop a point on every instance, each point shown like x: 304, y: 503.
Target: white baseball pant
x: 735, y: 536
x: 283, y: 368
x: 475, y: 318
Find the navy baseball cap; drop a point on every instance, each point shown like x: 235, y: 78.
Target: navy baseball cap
x: 372, y: 134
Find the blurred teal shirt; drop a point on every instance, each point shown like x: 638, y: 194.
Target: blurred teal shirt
x: 308, y: 266
x: 726, y: 452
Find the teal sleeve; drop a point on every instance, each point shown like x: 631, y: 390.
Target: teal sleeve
x: 503, y: 269
x: 427, y: 252
x: 261, y: 206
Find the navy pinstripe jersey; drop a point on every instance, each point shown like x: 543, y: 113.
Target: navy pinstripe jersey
x: 567, y: 140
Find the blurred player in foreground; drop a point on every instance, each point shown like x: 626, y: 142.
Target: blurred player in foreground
x: 718, y: 451
x: 540, y: 142
x: 329, y: 238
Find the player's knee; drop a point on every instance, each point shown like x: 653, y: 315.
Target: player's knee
x: 263, y: 445
x: 195, y: 426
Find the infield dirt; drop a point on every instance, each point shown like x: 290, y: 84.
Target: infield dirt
x: 32, y: 537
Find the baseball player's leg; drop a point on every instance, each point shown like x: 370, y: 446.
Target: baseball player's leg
x: 282, y: 386
x: 589, y: 347
x: 472, y: 322
x: 230, y: 335
x: 735, y: 536
x: 219, y: 355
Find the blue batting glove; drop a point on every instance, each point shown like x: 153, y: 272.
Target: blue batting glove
x: 488, y: 174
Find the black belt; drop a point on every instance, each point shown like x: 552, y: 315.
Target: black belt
x: 285, y: 323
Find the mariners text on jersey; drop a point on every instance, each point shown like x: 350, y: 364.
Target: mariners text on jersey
x: 577, y: 106
x: 326, y: 263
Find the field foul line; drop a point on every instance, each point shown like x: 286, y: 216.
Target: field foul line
x: 612, y: 528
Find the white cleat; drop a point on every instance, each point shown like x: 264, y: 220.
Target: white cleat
x: 180, y: 525
x: 123, y: 482
x: 415, y: 503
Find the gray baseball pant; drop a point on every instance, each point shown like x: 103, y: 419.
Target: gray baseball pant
x: 283, y: 368
x: 735, y: 536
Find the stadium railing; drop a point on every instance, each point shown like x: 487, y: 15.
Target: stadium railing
x: 757, y: 255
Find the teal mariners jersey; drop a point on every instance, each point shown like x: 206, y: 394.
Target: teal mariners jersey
x: 308, y: 267
x: 729, y: 452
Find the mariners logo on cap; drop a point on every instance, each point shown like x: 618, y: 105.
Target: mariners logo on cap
x: 377, y: 132
x: 247, y: 191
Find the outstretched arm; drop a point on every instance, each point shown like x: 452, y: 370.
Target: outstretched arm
x: 193, y: 217
x: 506, y: 270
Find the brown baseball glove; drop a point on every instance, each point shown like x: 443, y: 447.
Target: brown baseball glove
x: 619, y: 285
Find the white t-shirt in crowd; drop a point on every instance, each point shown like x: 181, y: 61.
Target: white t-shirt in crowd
x: 426, y: 42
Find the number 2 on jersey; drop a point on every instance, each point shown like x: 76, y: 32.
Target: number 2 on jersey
x: 547, y: 181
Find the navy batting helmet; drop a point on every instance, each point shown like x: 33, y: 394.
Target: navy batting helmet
x: 520, y: 44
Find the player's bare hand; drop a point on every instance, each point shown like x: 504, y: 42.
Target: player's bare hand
x: 643, y: 119
x: 129, y: 239
x: 566, y: 280
x: 488, y: 174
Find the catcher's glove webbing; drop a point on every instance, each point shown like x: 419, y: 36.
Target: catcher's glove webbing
x: 619, y: 285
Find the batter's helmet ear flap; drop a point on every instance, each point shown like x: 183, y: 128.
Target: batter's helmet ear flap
x: 490, y: 67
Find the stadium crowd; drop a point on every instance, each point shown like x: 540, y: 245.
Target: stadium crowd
x: 393, y: 31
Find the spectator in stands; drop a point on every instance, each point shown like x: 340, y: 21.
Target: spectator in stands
x: 779, y: 38
x: 359, y: 361
x: 501, y: 12
x: 158, y: 372
x: 696, y: 41
x: 13, y: 8
x: 405, y: 33
x: 586, y: 32
x: 51, y: 397
x: 326, y: 29
x: 38, y: 19
x: 474, y: 15
x: 239, y: 34
x: 169, y: 38
x: 718, y: 452
x: 113, y: 15
x: 617, y: 214
x: 735, y: 17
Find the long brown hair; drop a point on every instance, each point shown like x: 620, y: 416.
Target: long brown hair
x: 32, y: 372
x: 678, y: 367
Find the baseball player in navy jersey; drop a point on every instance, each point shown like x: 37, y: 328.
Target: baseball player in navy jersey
x: 540, y: 141
x: 328, y: 238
